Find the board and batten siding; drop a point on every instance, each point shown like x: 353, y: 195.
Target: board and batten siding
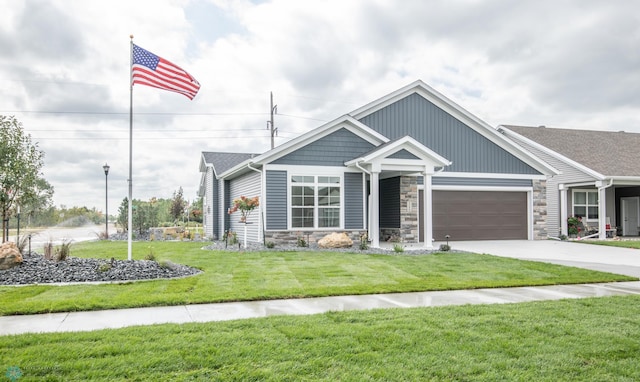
x: 332, y: 150
x: 276, y: 203
x: 390, y: 203
x: 247, y: 185
x: 569, y: 174
x: 449, y: 137
x: 353, y: 201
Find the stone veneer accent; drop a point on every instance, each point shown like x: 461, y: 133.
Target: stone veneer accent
x: 540, y: 210
x: 311, y: 237
x: 409, y: 209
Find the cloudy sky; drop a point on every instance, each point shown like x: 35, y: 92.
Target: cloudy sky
x: 64, y: 73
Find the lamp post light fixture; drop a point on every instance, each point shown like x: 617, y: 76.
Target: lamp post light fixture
x: 106, y: 200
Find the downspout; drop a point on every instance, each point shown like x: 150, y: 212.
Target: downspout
x: 261, y: 221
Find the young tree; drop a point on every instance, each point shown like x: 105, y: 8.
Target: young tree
x: 178, y: 204
x: 21, y: 181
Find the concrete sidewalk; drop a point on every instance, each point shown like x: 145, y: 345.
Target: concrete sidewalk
x: 112, y: 319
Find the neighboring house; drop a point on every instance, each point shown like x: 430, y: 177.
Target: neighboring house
x: 412, y: 165
x: 599, y: 180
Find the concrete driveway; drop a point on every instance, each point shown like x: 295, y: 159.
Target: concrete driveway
x: 624, y: 261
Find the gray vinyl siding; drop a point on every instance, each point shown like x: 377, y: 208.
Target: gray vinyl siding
x: 221, y: 212
x: 390, y: 203
x: 353, y: 201
x: 331, y: 150
x: 479, y: 182
x: 403, y: 154
x: 436, y: 129
x: 569, y: 174
x: 276, y: 204
x: 209, y: 210
x: 247, y: 185
x: 226, y: 203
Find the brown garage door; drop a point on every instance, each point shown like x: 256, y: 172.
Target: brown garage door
x: 479, y: 215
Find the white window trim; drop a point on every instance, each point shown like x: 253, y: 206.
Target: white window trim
x: 315, y: 174
x: 587, y: 205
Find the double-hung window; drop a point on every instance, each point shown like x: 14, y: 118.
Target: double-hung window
x: 315, y: 201
x: 585, y: 204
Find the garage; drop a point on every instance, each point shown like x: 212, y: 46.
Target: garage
x: 479, y: 215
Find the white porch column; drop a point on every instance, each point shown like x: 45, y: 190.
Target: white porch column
x: 602, y: 211
x: 374, y: 229
x: 563, y: 210
x: 428, y: 211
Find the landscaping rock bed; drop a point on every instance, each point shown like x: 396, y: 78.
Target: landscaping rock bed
x: 35, y: 269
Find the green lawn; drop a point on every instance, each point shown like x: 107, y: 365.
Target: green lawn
x: 594, y: 339
x: 235, y: 276
x: 614, y: 243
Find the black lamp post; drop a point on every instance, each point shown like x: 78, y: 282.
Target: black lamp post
x: 106, y: 200
x: 18, y: 234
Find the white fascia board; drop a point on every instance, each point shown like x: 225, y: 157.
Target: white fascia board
x: 446, y: 174
x: 310, y: 170
x: 480, y: 188
x: 625, y: 180
x: 203, y: 163
x: 555, y: 154
x: 460, y: 114
x: 404, y: 143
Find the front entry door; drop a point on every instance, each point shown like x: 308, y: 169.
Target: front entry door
x: 629, y: 216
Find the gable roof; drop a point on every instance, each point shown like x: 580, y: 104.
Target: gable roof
x: 462, y: 115
x: 345, y: 121
x: 415, y: 148
x: 222, y: 162
x: 609, y: 153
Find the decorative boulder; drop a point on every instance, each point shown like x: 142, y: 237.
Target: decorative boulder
x: 9, y: 255
x: 335, y: 240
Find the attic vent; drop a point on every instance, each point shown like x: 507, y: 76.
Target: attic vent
x: 542, y: 126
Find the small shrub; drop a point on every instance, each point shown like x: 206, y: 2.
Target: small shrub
x: 364, y: 242
x: 270, y: 244
x: 301, y: 242
x: 230, y: 237
x: 150, y: 256
x: 22, y: 242
x: 445, y: 247
x: 398, y: 248
x: 48, y: 250
x: 563, y: 237
x: 62, y: 252
x: 104, y: 267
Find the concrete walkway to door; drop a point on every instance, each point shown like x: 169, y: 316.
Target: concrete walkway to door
x: 624, y: 261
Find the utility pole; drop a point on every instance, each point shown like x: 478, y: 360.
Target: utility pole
x: 271, y: 124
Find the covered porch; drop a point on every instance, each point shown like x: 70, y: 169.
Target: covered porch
x: 607, y: 208
x: 402, y: 158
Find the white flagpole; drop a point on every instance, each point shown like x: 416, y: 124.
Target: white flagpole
x: 130, y: 209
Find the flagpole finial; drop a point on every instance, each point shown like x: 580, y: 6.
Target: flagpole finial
x: 131, y: 36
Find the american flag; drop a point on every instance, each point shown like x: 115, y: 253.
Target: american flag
x: 151, y: 70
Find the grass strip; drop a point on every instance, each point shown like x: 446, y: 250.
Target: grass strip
x: 244, y: 276
x: 596, y: 339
